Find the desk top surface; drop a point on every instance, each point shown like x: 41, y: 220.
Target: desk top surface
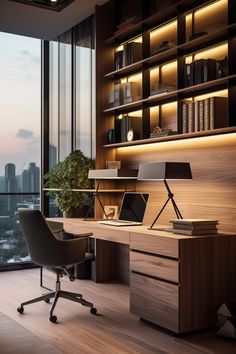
x: 92, y: 225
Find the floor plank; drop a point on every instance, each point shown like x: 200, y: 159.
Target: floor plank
x: 114, y: 330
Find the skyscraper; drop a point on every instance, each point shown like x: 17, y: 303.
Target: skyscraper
x: 10, y: 187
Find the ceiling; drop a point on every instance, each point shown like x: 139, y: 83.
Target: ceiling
x: 55, y: 5
x: 43, y: 23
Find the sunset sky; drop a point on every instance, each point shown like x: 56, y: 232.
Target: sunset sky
x: 20, y: 97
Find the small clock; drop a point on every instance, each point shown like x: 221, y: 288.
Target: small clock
x: 130, y: 135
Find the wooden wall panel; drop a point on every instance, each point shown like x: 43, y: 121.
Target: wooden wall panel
x: 211, y: 193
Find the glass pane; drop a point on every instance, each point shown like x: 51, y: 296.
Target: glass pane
x: 65, y: 94
x: 20, y: 106
x: 13, y: 248
x: 53, y: 103
x: 84, y: 87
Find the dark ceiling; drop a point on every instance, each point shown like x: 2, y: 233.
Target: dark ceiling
x: 17, y: 17
x: 47, y: 4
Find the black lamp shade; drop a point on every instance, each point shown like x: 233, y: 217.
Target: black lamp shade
x: 164, y: 170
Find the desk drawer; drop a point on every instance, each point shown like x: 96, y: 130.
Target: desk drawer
x: 155, y: 301
x: 154, y: 244
x: 155, y: 266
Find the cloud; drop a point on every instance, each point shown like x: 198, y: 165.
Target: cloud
x: 24, y: 134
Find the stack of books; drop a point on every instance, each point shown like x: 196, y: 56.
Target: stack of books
x: 210, y: 113
x: 195, y: 227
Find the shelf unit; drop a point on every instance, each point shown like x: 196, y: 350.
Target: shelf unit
x: 217, y: 18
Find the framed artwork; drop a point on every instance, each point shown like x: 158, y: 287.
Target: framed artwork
x: 113, y: 164
x: 111, y: 211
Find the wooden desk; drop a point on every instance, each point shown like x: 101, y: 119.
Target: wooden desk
x: 176, y: 281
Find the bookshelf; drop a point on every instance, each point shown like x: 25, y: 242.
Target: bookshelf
x: 178, y: 34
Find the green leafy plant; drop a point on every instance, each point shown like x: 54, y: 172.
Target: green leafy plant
x: 71, y: 173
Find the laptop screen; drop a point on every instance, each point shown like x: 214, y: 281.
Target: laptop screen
x: 133, y: 206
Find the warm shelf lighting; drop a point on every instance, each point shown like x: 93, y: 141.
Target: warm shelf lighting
x: 221, y: 93
x: 136, y: 114
x: 135, y: 78
x: 218, y: 7
x: 223, y: 140
x: 164, y: 29
x: 216, y: 52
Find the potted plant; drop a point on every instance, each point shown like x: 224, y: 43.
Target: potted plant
x: 71, y: 173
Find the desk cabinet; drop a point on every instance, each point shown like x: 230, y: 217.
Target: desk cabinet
x: 179, y: 282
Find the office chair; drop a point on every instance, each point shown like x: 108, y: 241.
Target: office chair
x: 59, y: 256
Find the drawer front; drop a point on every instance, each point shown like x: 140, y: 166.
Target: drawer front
x: 155, y: 301
x: 155, y: 266
x: 155, y: 244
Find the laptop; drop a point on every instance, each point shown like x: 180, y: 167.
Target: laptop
x: 132, y: 210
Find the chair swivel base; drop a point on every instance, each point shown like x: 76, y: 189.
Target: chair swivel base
x: 56, y: 295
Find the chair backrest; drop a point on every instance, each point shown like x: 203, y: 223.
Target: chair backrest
x: 39, y: 238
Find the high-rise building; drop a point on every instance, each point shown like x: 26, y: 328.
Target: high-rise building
x: 30, y: 179
x: 10, y: 187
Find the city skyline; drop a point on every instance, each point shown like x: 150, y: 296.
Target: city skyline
x: 20, y: 100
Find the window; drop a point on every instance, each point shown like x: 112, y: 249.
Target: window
x: 20, y: 105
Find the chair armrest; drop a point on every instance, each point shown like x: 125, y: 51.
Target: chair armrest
x: 87, y: 234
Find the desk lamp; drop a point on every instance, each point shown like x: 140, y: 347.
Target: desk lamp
x: 165, y: 171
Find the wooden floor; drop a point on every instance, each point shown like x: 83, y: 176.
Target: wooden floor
x: 115, y: 330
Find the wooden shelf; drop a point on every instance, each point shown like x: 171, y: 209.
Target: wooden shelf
x: 88, y: 190
x: 173, y: 137
x: 216, y: 84
x: 129, y: 69
x: 153, y: 20
x: 125, y: 107
x: 161, y: 98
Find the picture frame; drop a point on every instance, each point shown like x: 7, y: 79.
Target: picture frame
x: 111, y: 211
x: 113, y: 164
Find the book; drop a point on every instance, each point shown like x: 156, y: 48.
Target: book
x: 206, y: 114
x: 119, y: 59
x: 133, y: 52
x: 196, y: 116
x: 209, y: 226
x: 185, y: 117
x: 209, y: 69
x: 190, y: 117
x: 131, y: 92
x: 194, y: 221
x: 187, y: 73
x: 201, y: 115
x: 218, y: 112
x: 195, y: 232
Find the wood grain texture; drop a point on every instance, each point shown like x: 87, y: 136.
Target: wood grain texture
x: 155, y: 301
x: 211, y: 193
x: 160, y: 245
x: 154, y: 266
x: 115, y: 330
x: 207, y: 273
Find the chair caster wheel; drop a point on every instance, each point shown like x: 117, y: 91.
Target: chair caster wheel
x: 47, y: 301
x: 53, y: 319
x: 20, y: 309
x: 93, y: 311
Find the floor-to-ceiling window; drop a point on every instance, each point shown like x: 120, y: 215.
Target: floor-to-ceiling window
x: 20, y: 112
x: 71, y: 96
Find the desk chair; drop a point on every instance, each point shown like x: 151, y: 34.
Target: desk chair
x: 59, y: 256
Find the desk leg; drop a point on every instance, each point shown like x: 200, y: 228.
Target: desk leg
x: 111, y: 262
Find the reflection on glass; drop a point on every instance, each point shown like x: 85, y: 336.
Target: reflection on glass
x: 13, y: 248
x: 84, y: 87
x: 53, y: 103
x: 65, y: 94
